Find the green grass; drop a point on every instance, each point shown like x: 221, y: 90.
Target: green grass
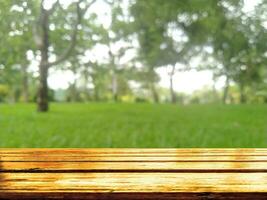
x: 133, y: 125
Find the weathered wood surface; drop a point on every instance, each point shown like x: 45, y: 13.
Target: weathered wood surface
x: 133, y: 174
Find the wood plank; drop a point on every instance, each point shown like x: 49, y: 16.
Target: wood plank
x: 129, y: 151
x: 134, y: 182
x: 173, y: 155
x: 132, y: 196
x: 133, y: 166
x: 189, y: 158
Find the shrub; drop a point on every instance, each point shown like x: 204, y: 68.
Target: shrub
x: 3, y: 92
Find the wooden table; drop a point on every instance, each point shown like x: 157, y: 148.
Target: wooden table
x: 133, y: 174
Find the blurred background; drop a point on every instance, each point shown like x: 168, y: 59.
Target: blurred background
x: 133, y: 73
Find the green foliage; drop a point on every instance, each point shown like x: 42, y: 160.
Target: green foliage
x: 205, y: 95
x: 168, y: 32
x: 3, y: 92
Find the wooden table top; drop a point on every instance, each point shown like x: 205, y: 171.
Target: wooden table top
x: 133, y: 173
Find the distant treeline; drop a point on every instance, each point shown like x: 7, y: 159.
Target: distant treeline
x: 113, y: 48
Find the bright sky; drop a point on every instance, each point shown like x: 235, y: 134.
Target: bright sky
x: 186, y: 82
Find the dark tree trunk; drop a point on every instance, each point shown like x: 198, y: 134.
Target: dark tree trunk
x: 151, y: 85
x: 96, y: 94
x: 25, y: 88
x: 226, y: 90
x: 114, y: 86
x: 43, y: 87
x: 114, y: 83
x: 96, y: 87
x: 154, y: 92
x: 73, y: 92
x: 214, y: 90
x: 243, y: 98
x: 42, y: 100
x: 172, y: 92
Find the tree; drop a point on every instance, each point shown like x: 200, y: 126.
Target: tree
x: 17, y: 37
x: 238, y: 47
x: 170, y: 31
x: 42, y: 36
x: 116, y: 38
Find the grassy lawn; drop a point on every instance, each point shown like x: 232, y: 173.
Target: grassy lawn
x: 133, y: 125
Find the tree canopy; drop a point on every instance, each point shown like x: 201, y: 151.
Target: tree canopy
x: 114, y: 54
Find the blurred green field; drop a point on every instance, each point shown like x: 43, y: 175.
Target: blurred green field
x: 133, y: 125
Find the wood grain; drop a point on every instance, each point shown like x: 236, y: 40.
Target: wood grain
x: 133, y: 173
